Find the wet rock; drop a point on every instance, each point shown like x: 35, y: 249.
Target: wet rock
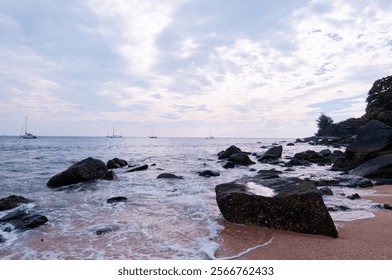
x: 209, y: 173
x: 116, y: 163
x: 383, y: 182
x: 354, y: 182
x: 2, y: 239
x: 105, y: 230
x: 283, y: 203
x: 379, y: 167
x: 139, y: 168
x: 296, y: 162
x: 116, y: 199
x: 229, y: 165
x: 269, y: 173
x: 353, y: 196
x: 241, y: 159
x: 169, y: 176
x: 338, y: 208
x: 271, y: 154
x: 326, y: 182
x: 110, y: 175
x: 12, y: 201
x: 229, y: 151
x: 82, y: 171
x: 326, y: 191
x: 290, y: 144
x: 325, y: 152
x: 23, y: 220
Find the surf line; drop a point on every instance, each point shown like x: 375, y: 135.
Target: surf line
x: 212, y: 256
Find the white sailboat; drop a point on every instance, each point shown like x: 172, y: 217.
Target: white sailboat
x: 210, y: 137
x: 27, y: 135
x: 114, y: 135
x: 153, y: 136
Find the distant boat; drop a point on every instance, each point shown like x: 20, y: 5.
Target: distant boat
x: 152, y: 136
x: 27, y: 135
x: 210, y: 137
x: 114, y: 135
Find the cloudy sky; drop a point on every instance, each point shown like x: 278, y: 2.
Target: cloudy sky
x: 244, y: 68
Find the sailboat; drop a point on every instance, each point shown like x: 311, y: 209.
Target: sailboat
x: 152, y: 134
x: 27, y: 135
x: 210, y: 137
x: 114, y: 135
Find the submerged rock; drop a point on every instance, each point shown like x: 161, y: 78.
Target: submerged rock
x: 241, y: 159
x: 12, y: 201
x: 209, y: 173
x: 139, y: 168
x: 281, y: 203
x: 169, y: 176
x: 107, y: 229
x: 82, y: 171
x: 116, y: 199
x: 23, y: 220
x: 116, y: 163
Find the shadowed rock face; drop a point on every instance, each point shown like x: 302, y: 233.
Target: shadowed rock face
x: 82, y: 171
x: 23, y: 220
x: 287, y: 204
x: 12, y: 201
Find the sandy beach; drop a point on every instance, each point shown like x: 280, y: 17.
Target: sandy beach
x: 366, y: 239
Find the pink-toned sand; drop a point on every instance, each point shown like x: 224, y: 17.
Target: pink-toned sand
x: 366, y: 239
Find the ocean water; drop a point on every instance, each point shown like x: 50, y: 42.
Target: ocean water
x: 162, y: 219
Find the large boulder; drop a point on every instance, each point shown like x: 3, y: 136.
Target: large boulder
x: 379, y: 167
x: 229, y: 151
x: 271, y: 154
x: 241, y: 159
x: 23, y: 220
x: 12, y: 201
x: 280, y: 203
x: 373, y: 138
x: 82, y: 171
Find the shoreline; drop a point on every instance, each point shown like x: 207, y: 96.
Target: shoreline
x: 364, y: 239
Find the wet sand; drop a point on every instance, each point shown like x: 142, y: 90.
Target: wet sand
x: 366, y: 239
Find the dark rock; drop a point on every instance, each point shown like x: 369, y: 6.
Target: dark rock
x: 269, y: 173
x: 387, y: 206
x: 379, y: 167
x: 298, y: 140
x: 272, y: 154
x: 383, y: 182
x: 2, y: 239
x: 294, y: 205
x: 241, y: 159
x: 353, y: 196
x: 82, y: 171
x: 110, y: 175
x: 354, y: 182
x: 106, y: 230
x: 296, y: 162
x: 169, y: 176
x: 209, y: 173
x: 12, y: 201
x: 229, y: 151
x: 23, y: 220
x: 325, y: 152
x: 116, y: 163
x: 311, y: 156
x: 229, y: 165
x: 290, y: 144
x: 116, y: 199
x: 338, y: 208
x: 373, y: 138
x: 328, y: 182
x: 326, y: 191
x: 139, y: 168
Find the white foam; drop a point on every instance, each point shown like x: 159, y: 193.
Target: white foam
x: 260, y: 189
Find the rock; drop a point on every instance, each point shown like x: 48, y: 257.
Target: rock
x: 116, y: 199
x: 2, y: 239
x: 229, y: 165
x: 209, y: 173
x: 325, y: 152
x: 116, y: 163
x: 272, y: 154
x: 107, y: 229
x: 326, y: 191
x: 338, y: 208
x: 326, y: 182
x: 241, y: 159
x: 110, y: 175
x: 354, y: 182
x: 383, y: 182
x: 379, y: 167
x: 269, y: 173
x: 23, y: 220
x: 387, y: 206
x: 82, y: 171
x: 283, y: 203
x: 12, y: 201
x: 290, y: 144
x: 169, y: 176
x: 296, y: 162
x: 229, y: 151
x: 373, y: 138
x: 353, y: 196
x: 139, y: 168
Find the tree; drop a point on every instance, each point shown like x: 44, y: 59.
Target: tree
x: 379, y: 101
x: 323, y: 122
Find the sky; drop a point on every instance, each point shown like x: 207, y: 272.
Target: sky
x: 185, y: 68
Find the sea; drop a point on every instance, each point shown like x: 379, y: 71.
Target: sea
x: 162, y: 218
